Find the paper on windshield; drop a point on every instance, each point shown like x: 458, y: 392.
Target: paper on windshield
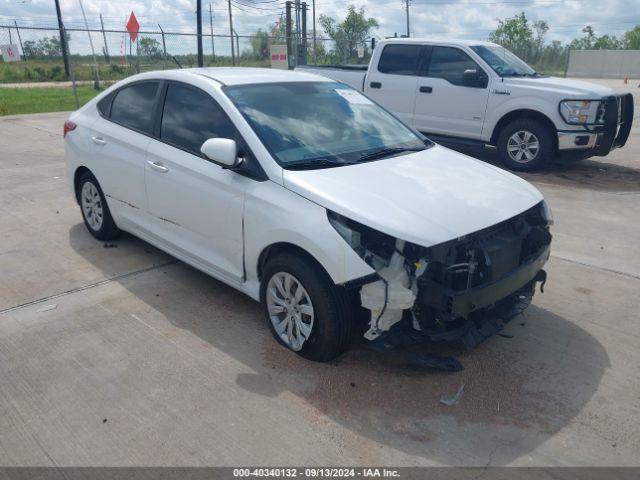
x: 353, y: 97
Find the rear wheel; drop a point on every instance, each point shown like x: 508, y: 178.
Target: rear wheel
x: 95, y: 211
x: 525, y: 145
x: 305, y: 310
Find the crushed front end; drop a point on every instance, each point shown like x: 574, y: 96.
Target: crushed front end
x: 460, y: 290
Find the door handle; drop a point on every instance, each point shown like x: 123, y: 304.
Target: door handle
x: 426, y: 89
x: 375, y: 85
x: 157, y: 166
x: 98, y: 140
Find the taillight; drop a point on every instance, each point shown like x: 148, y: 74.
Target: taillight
x: 68, y: 127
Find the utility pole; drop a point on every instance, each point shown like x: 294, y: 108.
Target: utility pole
x: 233, y: 55
x: 288, y: 29
x: 213, y: 50
x: 104, y: 37
x: 199, y: 20
x: 407, y: 5
x: 313, y: 8
x: 63, y: 40
x: 303, y: 57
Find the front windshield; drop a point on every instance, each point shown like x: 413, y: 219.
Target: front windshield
x: 503, y: 62
x: 321, y: 124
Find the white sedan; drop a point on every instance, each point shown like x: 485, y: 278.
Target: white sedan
x: 309, y: 197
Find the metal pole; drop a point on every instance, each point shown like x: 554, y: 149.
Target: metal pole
x: 164, y: 48
x: 104, y: 37
x: 20, y: 39
x: 199, y: 28
x: 73, y: 78
x: 10, y: 39
x: 288, y: 29
x: 233, y: 55
x: 407, y: 2
x: 296, y: 47
x: 303, y: 59
x: 63, y: 40
x: 213, y: 50
x: 93, y: 52
x: 237, y: 42
x: 313, y: 7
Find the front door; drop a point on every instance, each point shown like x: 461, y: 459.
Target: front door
x: 196, y: 205
x: 444, y: 105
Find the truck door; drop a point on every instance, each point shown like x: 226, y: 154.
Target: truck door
x: 392, y: 82
x: 444, y: 103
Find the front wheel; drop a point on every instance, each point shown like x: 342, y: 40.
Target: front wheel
x: 525, y: 145
x: 305, y: 310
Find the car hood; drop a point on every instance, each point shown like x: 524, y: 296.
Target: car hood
x: 567, y: 87
x: 426, y: 197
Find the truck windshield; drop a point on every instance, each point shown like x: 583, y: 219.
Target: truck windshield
x: 503, y: 62
x: 307, y: 125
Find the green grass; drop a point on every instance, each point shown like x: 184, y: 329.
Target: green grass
x: 14, y: 101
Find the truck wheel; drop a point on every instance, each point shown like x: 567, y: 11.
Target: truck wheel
x: 95, y: 211
x: 525, y: 145
x: 305, y: 310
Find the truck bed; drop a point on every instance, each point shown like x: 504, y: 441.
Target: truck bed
x: 352, y: 75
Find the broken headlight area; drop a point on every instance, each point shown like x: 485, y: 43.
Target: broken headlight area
x: 463, y: 289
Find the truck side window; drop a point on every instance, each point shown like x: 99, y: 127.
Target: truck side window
x: 449, y: 63
x: 399, y: 59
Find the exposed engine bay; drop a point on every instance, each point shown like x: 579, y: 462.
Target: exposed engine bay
x: 462, y: 289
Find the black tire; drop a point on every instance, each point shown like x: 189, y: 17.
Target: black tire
x: 331, y: 304
x: 544, y: 153
x: 108, y: 230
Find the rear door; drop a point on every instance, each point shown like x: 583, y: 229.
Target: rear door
x: 392, y: 82
x: 120, y: 139
x: 196, y: 205
x: 444, y: 105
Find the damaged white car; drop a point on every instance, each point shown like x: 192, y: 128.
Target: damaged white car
x: 314, y: 200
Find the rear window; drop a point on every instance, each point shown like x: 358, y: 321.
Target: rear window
x: 400, y: 59
x: 132, y: 106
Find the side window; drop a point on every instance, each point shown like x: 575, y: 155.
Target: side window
x: 190, y: 117
x: 399, y: 59
x: 133, y: 106
x: 450, y: 63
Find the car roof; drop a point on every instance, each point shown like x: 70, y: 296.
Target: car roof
x: 438, y: 41
x: 236, y: 75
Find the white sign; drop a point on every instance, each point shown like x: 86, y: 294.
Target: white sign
x: 279, y: 57
x: 360, y: 52
x: 10, y: 53
x: 354, y: 97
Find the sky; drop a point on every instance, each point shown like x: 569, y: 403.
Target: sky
x: 433, y: 18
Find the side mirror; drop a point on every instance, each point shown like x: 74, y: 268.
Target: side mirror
x: 223, y: 151
x: 473, y: 78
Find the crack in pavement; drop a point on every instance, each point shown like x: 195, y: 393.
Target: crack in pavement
x: 89, y: 286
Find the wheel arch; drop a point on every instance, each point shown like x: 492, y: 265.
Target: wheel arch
x: 285, y: 247
x: 77, y: 175
x: 519, y: 114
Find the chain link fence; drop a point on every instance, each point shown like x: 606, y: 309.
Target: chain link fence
x: 40, y: 52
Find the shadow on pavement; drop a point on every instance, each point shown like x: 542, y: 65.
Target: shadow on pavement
x: 591, y: 173
x: 526, y: 387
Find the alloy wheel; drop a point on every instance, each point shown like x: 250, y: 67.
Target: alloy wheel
x: 523, y: 146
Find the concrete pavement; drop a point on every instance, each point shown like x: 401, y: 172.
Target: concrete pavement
x: 125, y: 356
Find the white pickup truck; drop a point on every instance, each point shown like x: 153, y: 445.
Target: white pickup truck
x: 479, y: 92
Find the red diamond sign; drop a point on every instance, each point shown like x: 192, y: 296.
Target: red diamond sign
x: 133, y: 27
